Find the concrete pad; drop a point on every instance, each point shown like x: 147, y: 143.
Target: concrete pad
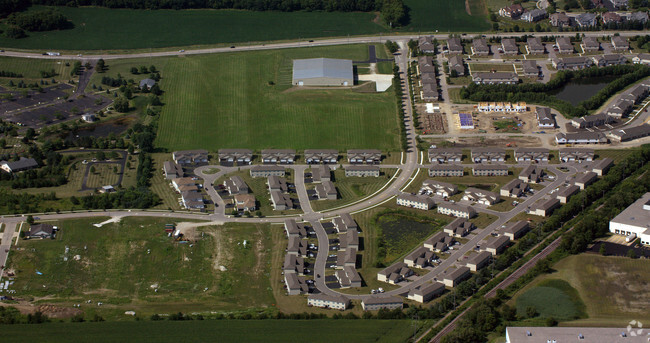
x: 382, y: 81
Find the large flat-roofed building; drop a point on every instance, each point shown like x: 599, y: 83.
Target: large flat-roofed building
x: 629, y: 133
x: 322, y: 72
x: 564, y: 193
x: 544, y: 208
x: 477, y: 261
x: 582, y: 180
x: 378, y: 303
x: 634, y: 220
x: 600, y: 167
x: 529, y: 334
x: 445, y: 155
x: 446, y: 170
x: 426, y: 292
x: 496, y: 245
x: 453, y: 276
x: 279, y: 156
x: 328, y: 301
x: 516, y: 229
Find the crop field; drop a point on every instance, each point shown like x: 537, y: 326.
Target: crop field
x: 270, y: 330
x: 244, y: 100
x: 133, y: 265
x: 31, y: 69
x: 552, y: 298
x: 353, y: 188
x: 614, y: 289
x: 445, y: 16
x: 401, y: 233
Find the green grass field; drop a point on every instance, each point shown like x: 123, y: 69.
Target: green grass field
x: 31, y: 69
x: 225, y: 101
x: 105, y: 174
x: 352, y: 188
x: 614, y: 289
x: 445, y: 16
x: 121, y: 265
x: 552, y: 298
x: 401, y: 233
x: 208, y: 330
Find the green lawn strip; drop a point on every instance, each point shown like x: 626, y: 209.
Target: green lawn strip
x: 351, y: 189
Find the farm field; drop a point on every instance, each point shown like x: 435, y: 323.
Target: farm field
x: 244, y: 100
x: 445, y: 16
x: 352, y: 188
x: 592, y: 276
x: 133, y: 265
x: 270, y: 330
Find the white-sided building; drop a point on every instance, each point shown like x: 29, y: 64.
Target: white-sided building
x: 634, y: 220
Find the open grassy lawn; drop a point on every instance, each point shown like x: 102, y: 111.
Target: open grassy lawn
x: 161, y: 186
x: 614, y: 289
x: 105, y: 174
x: 353, y: 188
x: 31, y: 69
x: 123, y: 264
x: 552, y: 298
x: 616, y: 155
x: 225, y: 101
x: 326, y: 330
x: 445, y: 16
x: 111, y: 29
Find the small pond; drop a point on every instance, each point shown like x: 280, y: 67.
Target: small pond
x: 580, y: 90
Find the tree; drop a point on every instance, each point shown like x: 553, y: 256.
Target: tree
x: 603, y: 250
x: 143, y: 70
x: 121, y: 104
x: 631, y: 254
x: 393, y: 12
x: 30, y: 219
x: 391, y: 46
x: 531, y: 312
x: 453, y: 73
x: 100, y: 155
x: 101, y: 65
x: 550, y: 321
x: 92, y: 169
x: 134, y: 70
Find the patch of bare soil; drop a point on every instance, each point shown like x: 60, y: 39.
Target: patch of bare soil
x: 467, y: 9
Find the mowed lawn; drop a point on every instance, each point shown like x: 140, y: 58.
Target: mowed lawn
x: 445, y: 16
x: 226, y: 101
x: 328, y: 330
x: 109, y: 29
x: 31, y: 69
x: 133, y: 265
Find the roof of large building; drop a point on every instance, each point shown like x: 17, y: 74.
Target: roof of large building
x: 322, y: 67
x: 571, y: 334
x: 637, y: 214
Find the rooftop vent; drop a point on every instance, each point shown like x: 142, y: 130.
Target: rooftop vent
x: 581, y: 336
x: 528, y: 333
x: 623, y: 334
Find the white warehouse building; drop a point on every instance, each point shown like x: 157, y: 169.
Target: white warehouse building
x: 322, y: 72
x: 634, y: 221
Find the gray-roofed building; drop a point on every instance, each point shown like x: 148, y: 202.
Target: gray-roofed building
x: 297, y: 246
x: 564, y: 193
x: 456, y: 210
x: 564, y: 45
x: 454, y: 46
x: 515, y: 188
x: 236, y: 185
x: 529, y: 334
x: 347, y: 258
x: 239, y: 156
x: 378, y: 303
x: 544, y: 207
x: 267, y: 170
x: 620, y: 43
x: 421, y: 202
x: 619, y: 4
x: 530, y: 68
x: 326, y: 191
x: 509, y: 46
x: 348, y: 277
x: 487, y: 78
x: 293, y: 229
x: 600, y: 167
x: 480, y: 196
x: 192, y: 200
x: 545, y: 118
x: 281, y: 201
x: 420, y: 257
x: 480, y: 47
x: 629, y: 133
x: 511, y: 11
x: 531, y: 174
x: 277, y: 183
x: 369, y: 156
x: 590, y: 44
x: 535, y: 46
x: 641, y: 17
x: 634, y: 220
x: 344, y: 222
x: 425, y: 44
x: 445, y: 155
x: 41, y: 231
x: 638, y: 93
x: 295, y: 284
x: 576, y: 154
x: 572, y: 63
x: 278, y: 156
x: 531, y: 154
x: 183, y: 184
x: 394, y: 273
x: 580, y: 138
x: 426, y: 292
x: 459, y: 227
x: 429, y: 91
x: 490, y: 170
x: 349, y: 239
x: 609, y: 60
x: 23, y: 163
x: 456, y: 63
x: 516, y: 229
x: 479, y: 260
x: 611, y: 17
x: 362, y: 171
x: 172, y: 170
x: 443, y: 189
x: 560, y: 19
x: 438, y: 242
x: 245, y: 202
x: 534, y: 15
x: 315, y: 156
x: 293, y: 264
x: 621, y: 108
x: 426, y: 65
x: 446, y: 170
x: 147, y: 83
x: 322, y: 72
x: 482, y: 155
x: 591, y: 121
x: 586, y: 19
x: 328, y: 301
x: 496, y: 245
x: 582, y: 180
x: 190, y: 156
x: 453, y: 276
x: 321, y: 173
